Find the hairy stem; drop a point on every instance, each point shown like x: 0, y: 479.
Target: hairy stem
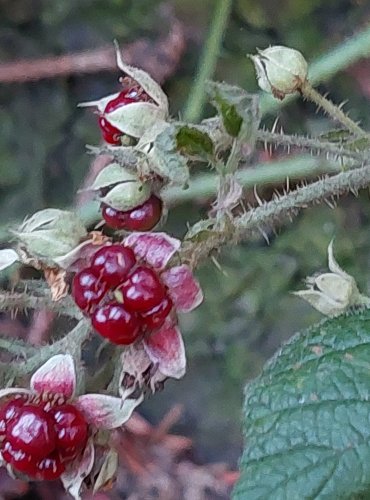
x: 208, y: 60
x: 331, y: 109
x: 312, y: 144
x: 71, y: 343
x: 14, y: 301
x: 269, y: 215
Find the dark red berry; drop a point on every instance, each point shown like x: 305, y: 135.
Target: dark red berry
x: 88, y: 289
x: 32, y: 432
x: 71, y: 430
x: 116, y: 324
x: 45, y: 469
x: 123, y: 98
x: 142, y: 291
x: 154, y: 319
x: 113, y: 263
x: 49, y: 468
x: 110, y: 134
x: 21, y: 461
x: 8, y: 412
x: 141, y: 218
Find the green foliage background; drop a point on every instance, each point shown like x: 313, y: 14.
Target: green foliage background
x: 248, y: 310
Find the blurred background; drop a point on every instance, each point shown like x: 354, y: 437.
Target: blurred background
x: 187, y: 440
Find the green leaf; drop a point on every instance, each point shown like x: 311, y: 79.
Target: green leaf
x: 194, y: 143
x: 307, y: 417
x: 165, y: 159
x: 237, y: 108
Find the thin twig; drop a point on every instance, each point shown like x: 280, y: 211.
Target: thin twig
x: 159, y: 58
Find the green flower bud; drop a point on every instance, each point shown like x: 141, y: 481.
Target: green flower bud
x: 50, y: 234
x: 280, y: 70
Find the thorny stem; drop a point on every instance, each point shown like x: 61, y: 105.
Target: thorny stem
x: 71, y: 343
x: 271, y: 214
x: 312, y: 144
x: 13, y: 301
x: 331, y: 109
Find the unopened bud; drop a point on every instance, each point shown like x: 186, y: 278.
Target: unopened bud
x: 50, y: 233
x: 333, y: 293
x: 280, y: 70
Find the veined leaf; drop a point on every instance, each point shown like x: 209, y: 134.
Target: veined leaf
x: 307, y: 417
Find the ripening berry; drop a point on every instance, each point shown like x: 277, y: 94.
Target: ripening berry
x: 111, y: 134
x: 32, y: 431
x: 155, y: 318
x: 116, y: 324
x: 71, y: 430
x: 142, y: 290
x: 141, y: 218
x: 39, y: 439
x: 88, y: 289
x: 113, y: 263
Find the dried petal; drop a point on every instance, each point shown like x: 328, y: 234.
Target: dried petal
x: 56, y: 376
x: 183, y: 288
x: 55, y: 278
x: 106, y: 412
x: 166, y: 348
x: 155, y: 248
x: 75, y: 475
x: 108, y: 470
x: 7, y: 258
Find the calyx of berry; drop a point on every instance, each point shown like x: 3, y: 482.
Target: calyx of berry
x: 134, y: 118
x: 51, y: 233
x: 122, y: 189
x: 333, y: 293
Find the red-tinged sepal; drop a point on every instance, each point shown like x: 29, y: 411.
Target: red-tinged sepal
x: 183, y: 288
x: 138, y: 371
x: 165, y: 349
x: 106, y: 412
x: 56, y: 376
x: 156, y: 249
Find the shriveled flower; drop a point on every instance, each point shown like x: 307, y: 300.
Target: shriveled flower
x: 47, y: 432
x: 280, y: 70
x: 161, y: 353
x: 133, y: 111
x: 332, y: 293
